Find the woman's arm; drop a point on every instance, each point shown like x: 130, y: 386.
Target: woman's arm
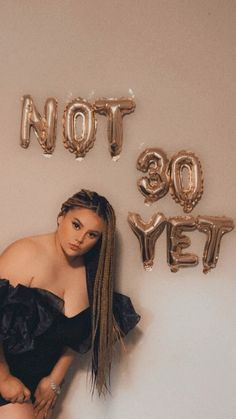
x: 11, y: 388
x: 59, y: 371
x: 4, y: 370
x: 16, y: 260
x: 45, y: 396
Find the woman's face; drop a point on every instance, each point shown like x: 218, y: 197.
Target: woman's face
x: 79, y: 230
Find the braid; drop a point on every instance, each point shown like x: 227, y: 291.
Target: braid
x: 105, y: 330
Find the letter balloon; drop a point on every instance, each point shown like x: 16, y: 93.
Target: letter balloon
x: 147, y: 234
x: 43, y: 126
x: 176, y: 242
x: 115, y: 110
x: 79, y: 144
x: 214, y: 228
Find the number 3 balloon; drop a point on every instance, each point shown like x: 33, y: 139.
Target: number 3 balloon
x: 154, y: 162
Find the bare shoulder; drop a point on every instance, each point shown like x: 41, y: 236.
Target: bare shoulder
x: 17, y: 258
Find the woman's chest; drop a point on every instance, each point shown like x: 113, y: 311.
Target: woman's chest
x: 68, y: 284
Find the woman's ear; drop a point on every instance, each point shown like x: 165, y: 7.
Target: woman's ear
x: 59, y: 218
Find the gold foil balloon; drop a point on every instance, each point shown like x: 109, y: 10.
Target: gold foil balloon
x: 147, y: 234
x: 154, y: 162
x: 186, y: 184
x: 114, y: 110
x: 79, y: 145
x: 214, y: 228
x: 43, y: 126
x: 176, y: 242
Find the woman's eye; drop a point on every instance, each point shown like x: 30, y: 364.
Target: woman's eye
x: 93, y: 235
x: 76, y: 225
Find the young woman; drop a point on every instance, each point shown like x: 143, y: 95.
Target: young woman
x: 56, y: 298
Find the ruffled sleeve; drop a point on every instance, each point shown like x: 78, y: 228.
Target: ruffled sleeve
x: 124, y: 312
x: 125, y: 316
x: 28, y: 313
x: 25, y: 314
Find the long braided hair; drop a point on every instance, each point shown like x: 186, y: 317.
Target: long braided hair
x: 100, y: 261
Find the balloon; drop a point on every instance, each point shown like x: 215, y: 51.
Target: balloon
x: 115, y: 109
x: 188, y: 191
x: 79, y: 145
x: 147, y: 234
x: 44, y: 127
x: 214, y: 228
x: 154, y: 162
x: 176, y: 241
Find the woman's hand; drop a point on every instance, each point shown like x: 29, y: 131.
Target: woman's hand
x: 13, y: 390
x: 45, y: 397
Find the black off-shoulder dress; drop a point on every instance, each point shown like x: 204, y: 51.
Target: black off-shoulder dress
x: 34, y: 331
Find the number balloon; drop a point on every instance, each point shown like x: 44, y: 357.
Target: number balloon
x: 186, y: 192
x: 154, y: 162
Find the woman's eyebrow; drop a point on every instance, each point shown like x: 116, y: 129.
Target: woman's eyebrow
x: 94, y: 231
x: 76, y: 219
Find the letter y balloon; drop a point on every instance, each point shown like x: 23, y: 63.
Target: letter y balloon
x: 147, y: 234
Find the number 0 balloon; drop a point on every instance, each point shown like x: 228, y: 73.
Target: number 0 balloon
x: 186, y: 181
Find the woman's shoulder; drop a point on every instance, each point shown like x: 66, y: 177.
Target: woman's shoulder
x: 28, y: 244
x: 23, y: 247
x: 17, y: 258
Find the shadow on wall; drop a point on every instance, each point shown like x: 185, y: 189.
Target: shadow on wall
x: 121, y: 361
x: 80, y: 364
x: 120, y: 366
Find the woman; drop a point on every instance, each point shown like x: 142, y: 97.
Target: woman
x: 56, y: 298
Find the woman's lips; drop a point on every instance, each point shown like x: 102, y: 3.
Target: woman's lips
x: 74, y: 246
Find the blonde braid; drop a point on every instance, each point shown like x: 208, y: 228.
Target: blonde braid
x: 103, y: 291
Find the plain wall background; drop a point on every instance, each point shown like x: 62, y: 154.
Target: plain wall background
x: 178, y: 58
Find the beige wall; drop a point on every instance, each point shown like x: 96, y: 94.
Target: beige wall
x: 178, y: 57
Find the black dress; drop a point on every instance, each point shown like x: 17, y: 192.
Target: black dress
x: 34, y: 331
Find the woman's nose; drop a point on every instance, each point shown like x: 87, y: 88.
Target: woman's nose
x: 80, y: 238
